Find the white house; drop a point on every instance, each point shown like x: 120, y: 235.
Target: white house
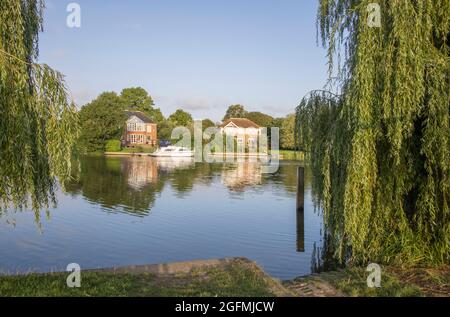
x: 243, y: 130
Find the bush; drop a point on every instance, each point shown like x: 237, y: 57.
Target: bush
x: 112, y: 146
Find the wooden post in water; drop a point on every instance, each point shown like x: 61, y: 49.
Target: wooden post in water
x: 301, y: 209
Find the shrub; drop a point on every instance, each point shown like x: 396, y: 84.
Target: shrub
x: 112, y: 146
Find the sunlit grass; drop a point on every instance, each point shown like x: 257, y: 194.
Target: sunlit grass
x: 232, y: 280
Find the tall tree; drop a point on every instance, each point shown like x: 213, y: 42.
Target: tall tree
x: 235, y: 111
x: 38, y: 124
x: 181, y: 118
x: 101, y: 120
x: 380, y: 152
x: 287, y: 134
x: 165, y: 130
x: 207, y: 123
x: 138, y: 99
x: 261, y: 119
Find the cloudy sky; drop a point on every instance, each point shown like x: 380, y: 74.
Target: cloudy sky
x: 198, y: 55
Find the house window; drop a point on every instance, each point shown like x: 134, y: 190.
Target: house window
x: 133, y: 126
x: 136, y: 138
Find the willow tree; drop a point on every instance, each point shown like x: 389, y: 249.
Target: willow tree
x: 380, y: 151
x: 38, y: 124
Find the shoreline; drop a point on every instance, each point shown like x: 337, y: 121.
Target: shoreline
x: 227, y: 277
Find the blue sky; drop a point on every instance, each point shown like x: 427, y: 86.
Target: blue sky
x: 198, y: 55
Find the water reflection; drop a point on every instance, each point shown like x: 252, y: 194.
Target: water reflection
x: 140, y: 210
x: 118, y: 184
x: 139, y: 172
x: 130, y: 184
x: 239, y: 176
x: 144, y: 177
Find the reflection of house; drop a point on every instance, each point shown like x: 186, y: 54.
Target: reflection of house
x: 139, y: 130
x: 241, y: 175
x: 140, y: 171
x: 244, y: 131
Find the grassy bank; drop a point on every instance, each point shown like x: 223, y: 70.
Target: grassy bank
x: 138, y: 150
x: 292, y: 155
x: 238, y: 277
x: 230, y: 277
x: 394, y: 282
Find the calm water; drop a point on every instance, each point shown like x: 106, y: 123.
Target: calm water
x: 144, y: 210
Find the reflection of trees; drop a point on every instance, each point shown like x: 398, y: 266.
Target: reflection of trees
x: 287, y: 176
x: 183, y: 180
x: 130, y: 184
x: 115, y: 183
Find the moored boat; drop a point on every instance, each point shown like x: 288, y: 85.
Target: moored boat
x: 173, y: 151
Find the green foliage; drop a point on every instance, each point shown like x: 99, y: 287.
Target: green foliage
x: 380, y: 152
x: 38, y: 124
x: 104, y: 118
x: 261, y: 119
x: 287, y: 135
x: 235, y: 111
x: 181, y: 118
x: 138, y: 99
x: 101, y: 120
x: 207, y: 123
x: 156, y: 115
x: 165, y: 130
x: 112, y: 146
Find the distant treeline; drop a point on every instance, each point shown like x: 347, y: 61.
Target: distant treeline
x: 103, y: 119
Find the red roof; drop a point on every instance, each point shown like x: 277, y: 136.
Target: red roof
x: 138, y: 114
x: 240, y: 123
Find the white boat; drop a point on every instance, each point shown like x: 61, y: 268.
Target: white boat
x: 173, y: 151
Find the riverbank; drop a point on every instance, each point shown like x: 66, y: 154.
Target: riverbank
x: 395, y: 282
x: 225, y: 278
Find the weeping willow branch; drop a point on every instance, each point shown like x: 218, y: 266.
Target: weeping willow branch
x: 38, y: 123
x: 380, y: 153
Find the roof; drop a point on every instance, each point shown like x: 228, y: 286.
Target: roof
x: 240, y: 123
x: 140, y: 115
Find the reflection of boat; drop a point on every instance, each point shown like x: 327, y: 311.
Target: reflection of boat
x: 173, y: 151
x: 173, y: 163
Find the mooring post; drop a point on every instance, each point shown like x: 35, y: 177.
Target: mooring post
x: 300, y: 209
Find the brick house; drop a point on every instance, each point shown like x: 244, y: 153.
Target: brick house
x: 139, y: 130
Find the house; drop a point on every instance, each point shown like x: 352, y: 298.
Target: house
x: 245, y: 131
x: 139, y: 130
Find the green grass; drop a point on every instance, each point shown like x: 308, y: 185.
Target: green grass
x: 292, y: 155
x: 353, y: 282
x: 137, y: 150
x: 232, y: 280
